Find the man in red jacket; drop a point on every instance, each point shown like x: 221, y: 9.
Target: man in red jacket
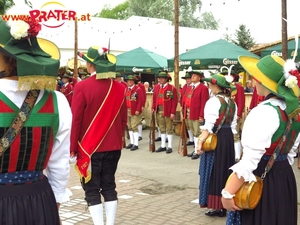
x: 134, y: 102
x: 164, y: 103
x: 183, y: 95
x: 67, y: 88
x: 194, y: 107
x: 144, y: 96
x: 98, y: 124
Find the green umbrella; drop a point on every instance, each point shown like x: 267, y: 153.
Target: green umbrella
x: 211, y: 56
x: 140, y: 60
x: 277, y: 50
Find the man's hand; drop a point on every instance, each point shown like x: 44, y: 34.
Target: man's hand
x: 172, y: 116
x: 73, y: 157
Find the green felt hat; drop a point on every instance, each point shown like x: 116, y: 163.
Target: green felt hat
x: 187, y: 75
x: 118, y: 74
x: 220, y: 80
x: 105, y: 63
x: 37, y: 59
x: 162, y: 74
x: 269, y: 72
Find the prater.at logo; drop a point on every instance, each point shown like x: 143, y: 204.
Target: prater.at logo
x: 54, y: 14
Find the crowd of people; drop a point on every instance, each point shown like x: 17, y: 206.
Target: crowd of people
x: 44, y: 130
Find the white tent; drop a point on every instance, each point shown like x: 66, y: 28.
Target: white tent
x: 156, y: 35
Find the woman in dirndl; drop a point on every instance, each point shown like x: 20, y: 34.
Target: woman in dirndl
x: 35, y: 127
x: 220, y: 115
x: 263, y: 129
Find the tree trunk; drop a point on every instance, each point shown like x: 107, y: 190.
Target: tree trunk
x: 176, y: 44
x: 284, y: 30
x: 75, y: 71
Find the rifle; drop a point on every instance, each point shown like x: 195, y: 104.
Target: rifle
x: 152, y: 134
x: 127, y: 132
x: 182, y: 148
x: 124, y: 140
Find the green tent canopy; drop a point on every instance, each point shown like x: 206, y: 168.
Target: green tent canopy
x: 211, y: 56
x: 277, y: 50
x: 140, y: 60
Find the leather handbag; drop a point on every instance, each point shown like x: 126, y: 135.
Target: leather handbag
x: 211, y: 141
x: 249, y: 194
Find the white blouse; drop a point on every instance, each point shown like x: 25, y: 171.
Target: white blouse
x: 258, y: 130
x: 58, y: 169
x: 211, y: 114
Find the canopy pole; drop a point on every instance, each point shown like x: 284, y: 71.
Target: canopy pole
x: 176, y: 44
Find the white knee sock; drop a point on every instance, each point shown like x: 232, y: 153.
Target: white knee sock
x: 163, y: 140
x: 131, y: 137
x: 110, y: 211
x: 238, y: 150
x: 191, y: 136
x: 136, y: 138
x: 170, y: 139
x: 140, y: 128
x: 96, y: 212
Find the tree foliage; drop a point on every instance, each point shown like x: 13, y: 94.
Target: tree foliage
x: 6, y: 4
x: 243, y: 37
x: 120, y: 12
x: 163, y: 9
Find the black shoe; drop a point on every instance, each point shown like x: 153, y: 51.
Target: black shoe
x: 212, y: 213
x: 158, y: 139
x: 195, y: 156
x: 140, y: 138
x: 190, y: 154
x: 134, y: 147
x: 222, y: 213
x: 190, y: 143
x: 160, y: 149
x: 167, y: 140
x: 129, y: 146
x: 169, y: 150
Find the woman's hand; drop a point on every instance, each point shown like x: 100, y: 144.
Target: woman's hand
x: 228, y: 203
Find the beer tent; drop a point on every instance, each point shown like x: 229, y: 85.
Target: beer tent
x: 140, y: 60
x: 277, y: 50
x: 211, y: 56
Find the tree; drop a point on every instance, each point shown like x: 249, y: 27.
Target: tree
x: 120, y: 12
x: 6, y: 4
x: 163, y: 9
x: 243, y: 37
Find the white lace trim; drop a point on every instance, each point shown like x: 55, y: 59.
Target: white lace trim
x: 240, y: 170
x: 63, y: 197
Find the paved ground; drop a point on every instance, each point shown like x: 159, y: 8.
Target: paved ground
x: 153, y: 189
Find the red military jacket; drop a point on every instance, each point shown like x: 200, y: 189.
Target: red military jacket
x: 134, y: 99
x: 144, y: 95
x: 183, y: 93
x: 239, y: 99
x: 199, y: 97
x: 169, y: 99
x: 67, y: 90
x: 89, y: 95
